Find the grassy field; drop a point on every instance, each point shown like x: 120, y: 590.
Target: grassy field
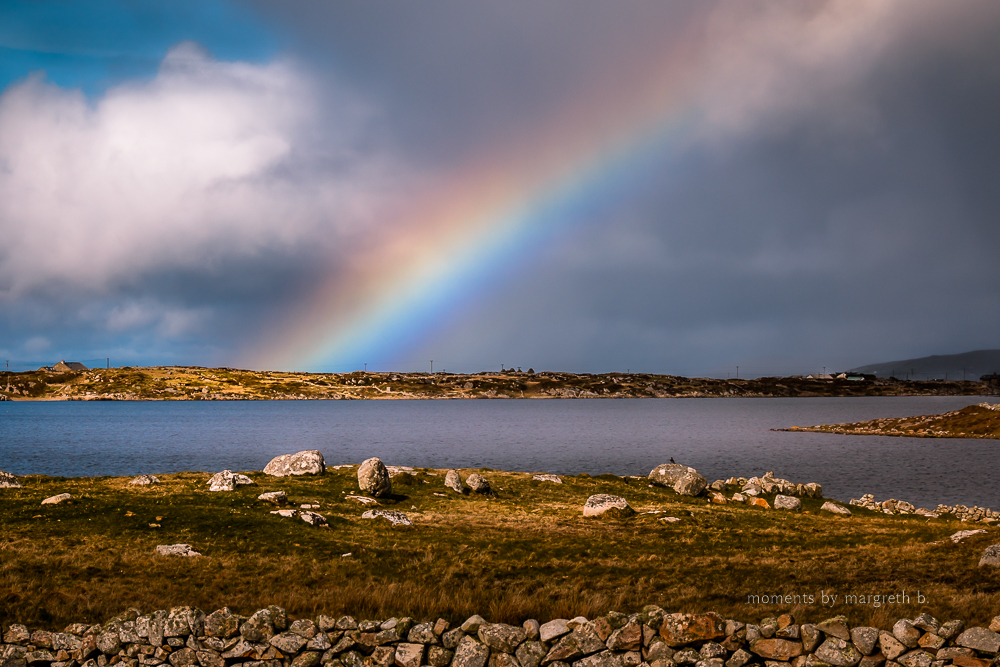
x: 528, y: 553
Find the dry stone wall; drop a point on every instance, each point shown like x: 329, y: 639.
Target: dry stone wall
x: 187, y: 637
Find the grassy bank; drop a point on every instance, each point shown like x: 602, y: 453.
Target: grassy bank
x: 974, y: 421
x: 528, y: 553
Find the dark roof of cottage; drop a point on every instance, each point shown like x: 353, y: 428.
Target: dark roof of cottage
x: 71, y: 365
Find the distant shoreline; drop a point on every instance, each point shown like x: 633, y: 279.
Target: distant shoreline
x: 173, y: 383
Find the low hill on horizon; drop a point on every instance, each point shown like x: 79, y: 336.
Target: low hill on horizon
x: 967, y: 365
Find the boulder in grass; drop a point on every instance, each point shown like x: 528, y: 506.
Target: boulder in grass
x: 834, y: 508
x: 479, y: 484
x: 307, y: 462
x: 453, y: 481
x: 555, y: 479
x: 227, y: 480
x: 787, y: 503
x: 691, y: 484
x: 145, y: 480
x: 991, y: 557
x: 9, y: 481
x: 58, y: 499
x: 373, y: 478
x: 603, y: 503
x: 393, y: 517
x: 276, y: 497
x: 667, y: 474
x: 176, y: 550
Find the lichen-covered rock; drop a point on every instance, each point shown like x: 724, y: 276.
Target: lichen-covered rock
x: 682, y: 629
x: 835, y: 627
x: 865, y: 639
x: 502, y: 637
x: 667, y: 474
x: 227, y: 480
x: 392, y: 516
x: 276, y: 497
x: 307, y: 462
x: 905, y: 633
x: 691, y: 484
x: 453, y: 481
x: 57, y: 499
x: 838, y: 652
x: 470, y: 653
x: 288, y: 642
x: 991, y: 556
x: 980, y: 639
x: 222, y: 623
x: 176, y: 550
x: 553, y: 629
x: 603, y: 503
x: 555, y: 479
x: 9, y: 481
x: 479, y: 484
x: 916, y: 659
x: 777, y: 649
x: 834, y: 508
x: 409, y: 655
x: 890, y: 646
x: 373, y: 478
x: 787, y: 503
x: 582, y: 641
x: 530, y: 653
x: 144, y: 480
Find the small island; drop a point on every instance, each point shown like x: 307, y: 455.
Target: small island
x: 976, y: 421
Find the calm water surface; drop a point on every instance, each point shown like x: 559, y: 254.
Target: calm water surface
x: 719, y: 437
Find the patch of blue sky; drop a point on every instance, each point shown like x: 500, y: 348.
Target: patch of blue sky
x: 96, y: 44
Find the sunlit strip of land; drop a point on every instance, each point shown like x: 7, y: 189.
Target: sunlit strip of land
x: 974, y: 421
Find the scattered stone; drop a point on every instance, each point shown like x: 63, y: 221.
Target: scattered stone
x: 991, y: 556
x: 363, y: 500
x: 392, y: 516
x: 373, y: 478
x: 479, y: 484
x: 145, y: 480
x: 56, y: 500
x: 670, y: 519
x: 9, y: 481
x: 787, y: 503
x: 691, y: 484
x: 602, y: 503
x: 308, y: 462
x: 555, y: 479
x: 453, y: 481
x: 963, y: 534
x: 227, y: 480
x: 760, y: 502
x: 834, y: 508
x: 276, y: 497
x: 176, y: 550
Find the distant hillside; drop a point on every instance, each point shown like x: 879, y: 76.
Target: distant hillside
x: 939, y: 366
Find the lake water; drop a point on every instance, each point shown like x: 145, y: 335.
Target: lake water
x: 719, y: 437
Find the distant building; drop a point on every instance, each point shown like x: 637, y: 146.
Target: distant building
x: 66, y: 366
x: 991, y: 379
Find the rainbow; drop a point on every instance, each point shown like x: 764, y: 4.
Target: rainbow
x: 444, y: 250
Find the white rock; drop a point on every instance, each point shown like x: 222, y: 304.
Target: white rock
x: 787, y: 503
x: 393, y: 517
x: 307, y: 462
x: 555, y: 479
x: 601, y: 503
x: 176, y: 550
x: 963, y: 534
x: 227, y: 480
x: 991, y: 557
x: 276, y: 497
x: 145, y: 480
x: 834, y: 508
x: 9, y: 481
x: 55, y: 500
x: 364, y: 500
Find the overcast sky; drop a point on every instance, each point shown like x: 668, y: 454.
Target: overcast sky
x: 667, y: 187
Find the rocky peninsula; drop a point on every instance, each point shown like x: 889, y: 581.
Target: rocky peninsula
x: 178, y: 383
x: 974, y: 421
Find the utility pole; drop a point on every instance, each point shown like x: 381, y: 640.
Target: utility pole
x: 366, y: 368
x: 432, y: 367
x: 737, y: 372
x: 109, y: 364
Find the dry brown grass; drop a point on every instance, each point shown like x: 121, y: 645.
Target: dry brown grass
x: 526, y: 554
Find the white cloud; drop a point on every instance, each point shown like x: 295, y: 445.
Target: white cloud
x: 207, y: 160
